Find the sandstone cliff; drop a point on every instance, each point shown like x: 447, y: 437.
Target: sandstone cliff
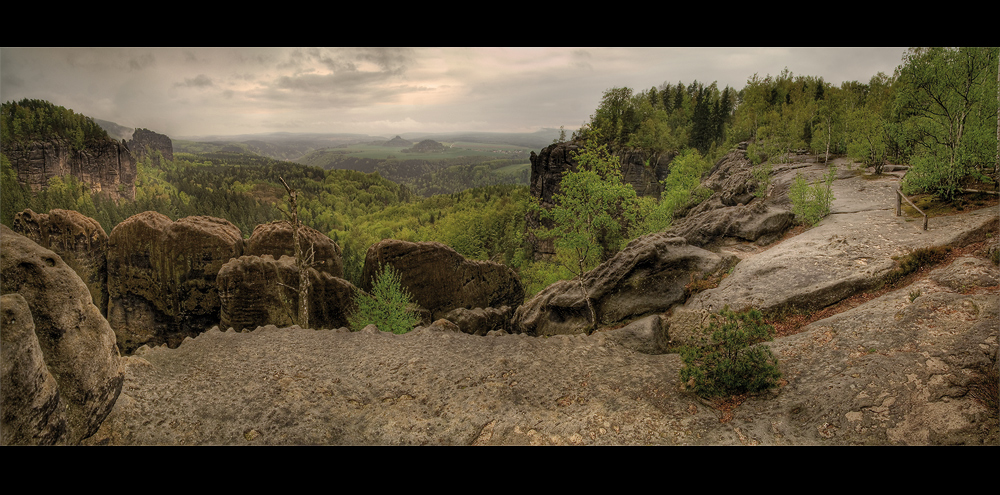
x: 107, y: 168
x: 144, y: 140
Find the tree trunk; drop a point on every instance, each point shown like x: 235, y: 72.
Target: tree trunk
x: 300, y: 262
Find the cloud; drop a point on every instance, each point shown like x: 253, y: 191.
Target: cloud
x: 199, y: 81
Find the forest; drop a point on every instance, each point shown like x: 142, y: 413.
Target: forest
x: 937, y: 112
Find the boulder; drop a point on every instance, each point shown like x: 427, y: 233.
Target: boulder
x: 78, y: 239
x: 76, y: 342
x: 260, y: 290
x: 646, y: 335
x: 481, y: 321
x: 440, y: 279
x: 275, y: 239
x: 33, y: 414
x: 648, y: 276
x: 161, y: 276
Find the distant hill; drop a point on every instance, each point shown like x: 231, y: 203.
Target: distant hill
x: 398, y: 142
x: 426, y: 146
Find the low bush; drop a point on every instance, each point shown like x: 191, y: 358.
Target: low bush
x: 726, y: 362
x: 387, y: 307
x: 811, y: 204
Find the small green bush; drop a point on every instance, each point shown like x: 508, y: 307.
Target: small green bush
x: 727, y: 362
x: 387, y: 307
x: 811, y: 204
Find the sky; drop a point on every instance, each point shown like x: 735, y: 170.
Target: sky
x: 190, y: 92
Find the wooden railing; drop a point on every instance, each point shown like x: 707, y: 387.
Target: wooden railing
x: 899, y: 206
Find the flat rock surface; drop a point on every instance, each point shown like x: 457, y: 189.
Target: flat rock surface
x: 898, y: 370
x: 850, y: 250
x: 895, y: 371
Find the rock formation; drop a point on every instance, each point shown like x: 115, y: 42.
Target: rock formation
x: 76, y: 342
x: 33, y: 413
x: 275, y: 239
x: 107, y: 168
x: 641, y: 170
x: 162, y: 276
x: 260, y: 290
x: 481, y: 321
x: 648, y: 276
x: 733, y: 210
x: 78, y: 239
x: 440, y: 279
x: 145, y: 141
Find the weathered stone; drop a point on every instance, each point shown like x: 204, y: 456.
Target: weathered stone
x: 259, y: 290
x: 77, y: 343
x: 646, y: 277
x: 32, y: 411
x: 145, y: 141
x: 750, y: 222
x: 481, y: 321
x: 275, y: 239
x: 440, y: 279
x: 646, y: 335
x: 161, y: 276
x: 733, y: 210
x: 78, y: 239
x: 106, y: 167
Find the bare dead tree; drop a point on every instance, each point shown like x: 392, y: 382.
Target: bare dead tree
x: 302, y: 262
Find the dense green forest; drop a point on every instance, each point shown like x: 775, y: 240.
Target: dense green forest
x: 937, y: 113
x: 30, y: 120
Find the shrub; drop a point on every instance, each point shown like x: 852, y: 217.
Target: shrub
x: 387, y: 307
x: 727, y: 362
x: 811, y: 204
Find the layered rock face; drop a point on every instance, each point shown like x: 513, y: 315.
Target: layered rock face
x: 644, y: 171
x: 145, y: 140
x: 441, y: 280
x: 162, y: 276
x: 733, y: 210
x: 78, y: 239
x: 275, y: 239
x: 107, y: 168
x: 76, y: 342
x: 646, y: 277
x: 257, y: 291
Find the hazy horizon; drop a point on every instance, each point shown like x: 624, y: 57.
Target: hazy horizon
x: 192, y: 92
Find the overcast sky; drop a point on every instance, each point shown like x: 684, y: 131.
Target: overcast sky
x: 386, y: 91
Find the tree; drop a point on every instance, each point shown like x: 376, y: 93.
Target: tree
x: 302, y: 261
x: 594, y: 210
x: 871, y: 123
x: 387, y: 307
x: 615, y: 118
x: 947, y: 96
x: 726, y: 361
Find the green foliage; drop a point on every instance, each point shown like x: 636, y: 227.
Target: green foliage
x: 29, y: 120
x: 13, y: 197
x: 949, y: 99
x: 811, y: 204
x: 594, y: 210
x: 681, y: 191
x: 387, y: 307
x: 761, y: 174
x: 726, y: 361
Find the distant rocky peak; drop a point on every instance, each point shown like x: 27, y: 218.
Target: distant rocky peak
x: 144, y: 141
